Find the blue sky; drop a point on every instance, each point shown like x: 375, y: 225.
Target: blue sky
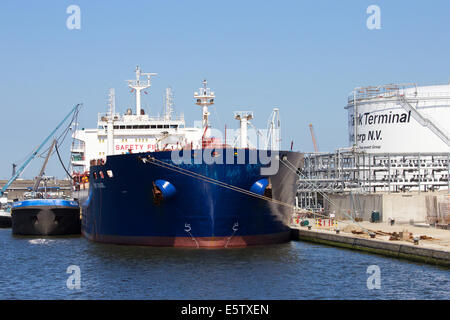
x: 301, y: 56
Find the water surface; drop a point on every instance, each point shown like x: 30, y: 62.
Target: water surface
x: 35, y: 268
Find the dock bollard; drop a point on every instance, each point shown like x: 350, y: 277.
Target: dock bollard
x: 309, y: 227
x: 372, y: 235
x: 337, y: 231
x: 416, y: 240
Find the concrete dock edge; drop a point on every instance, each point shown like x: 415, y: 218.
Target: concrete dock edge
x: 382, y: 247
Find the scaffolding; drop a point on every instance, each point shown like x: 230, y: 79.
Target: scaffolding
x: 358, y: 172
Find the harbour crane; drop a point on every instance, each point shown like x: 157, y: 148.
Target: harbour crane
x: 35, y: 152
x: 316, y: 149
x: 41, y: 173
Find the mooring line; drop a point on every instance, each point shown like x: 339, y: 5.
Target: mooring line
x: 291, y: 167
x: 214, y: 181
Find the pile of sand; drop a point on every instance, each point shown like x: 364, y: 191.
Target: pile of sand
x: 349, y: 228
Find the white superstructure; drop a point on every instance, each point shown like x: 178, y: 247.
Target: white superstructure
x: 135, y: 132
x: 400, y: 118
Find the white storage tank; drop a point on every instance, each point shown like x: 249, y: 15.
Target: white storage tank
x: 400, y: 118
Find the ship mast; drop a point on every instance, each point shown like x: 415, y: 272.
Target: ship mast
x: 204, y: 98
x: 110, y: 127
x: 138, y: 85
x: 169, y: 104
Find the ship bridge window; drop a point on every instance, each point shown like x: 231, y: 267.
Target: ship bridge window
x: 173, y: 126
x: 159, y: 126
x: 166, y: 126
x: 116, y: 127
x: 128, y: 127
x: 153, y: 126
x: 122, y: 127
x: 135, y: 127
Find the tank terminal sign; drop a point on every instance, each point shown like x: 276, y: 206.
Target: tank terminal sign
x: 368, y: 118
x: 399, y: 118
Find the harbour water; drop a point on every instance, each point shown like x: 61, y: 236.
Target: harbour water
x: 36, y: 268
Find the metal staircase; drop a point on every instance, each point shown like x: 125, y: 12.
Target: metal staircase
x: 423, y: 120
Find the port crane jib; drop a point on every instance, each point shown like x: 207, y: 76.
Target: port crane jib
x: 35, y: 152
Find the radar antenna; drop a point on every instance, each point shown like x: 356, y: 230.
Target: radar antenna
x: 138, y: 85
x: 204, y: 98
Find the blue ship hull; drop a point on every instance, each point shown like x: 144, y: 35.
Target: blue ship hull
x: 133, y: 200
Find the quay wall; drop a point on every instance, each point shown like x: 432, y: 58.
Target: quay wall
x: 428, y: 207
x: 376, y: 246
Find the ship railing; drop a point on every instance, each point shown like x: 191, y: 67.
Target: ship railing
x: 103, y: 118
x: 398, y: 93
x: 78, y: 147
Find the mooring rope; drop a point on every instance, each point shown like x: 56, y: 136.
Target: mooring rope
x: 291, y: 167
x: 214, y: 181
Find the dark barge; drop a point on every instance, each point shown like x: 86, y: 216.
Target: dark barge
x: 46, y: 217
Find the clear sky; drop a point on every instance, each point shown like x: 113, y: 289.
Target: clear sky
x: 304, y: 57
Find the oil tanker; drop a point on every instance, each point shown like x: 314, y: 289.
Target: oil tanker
x: 163, y: 184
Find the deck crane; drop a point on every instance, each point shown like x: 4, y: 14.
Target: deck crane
x: 35, y: 152
x: 316, y: 149
x: 274, y: 131
x: 41, y: 173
